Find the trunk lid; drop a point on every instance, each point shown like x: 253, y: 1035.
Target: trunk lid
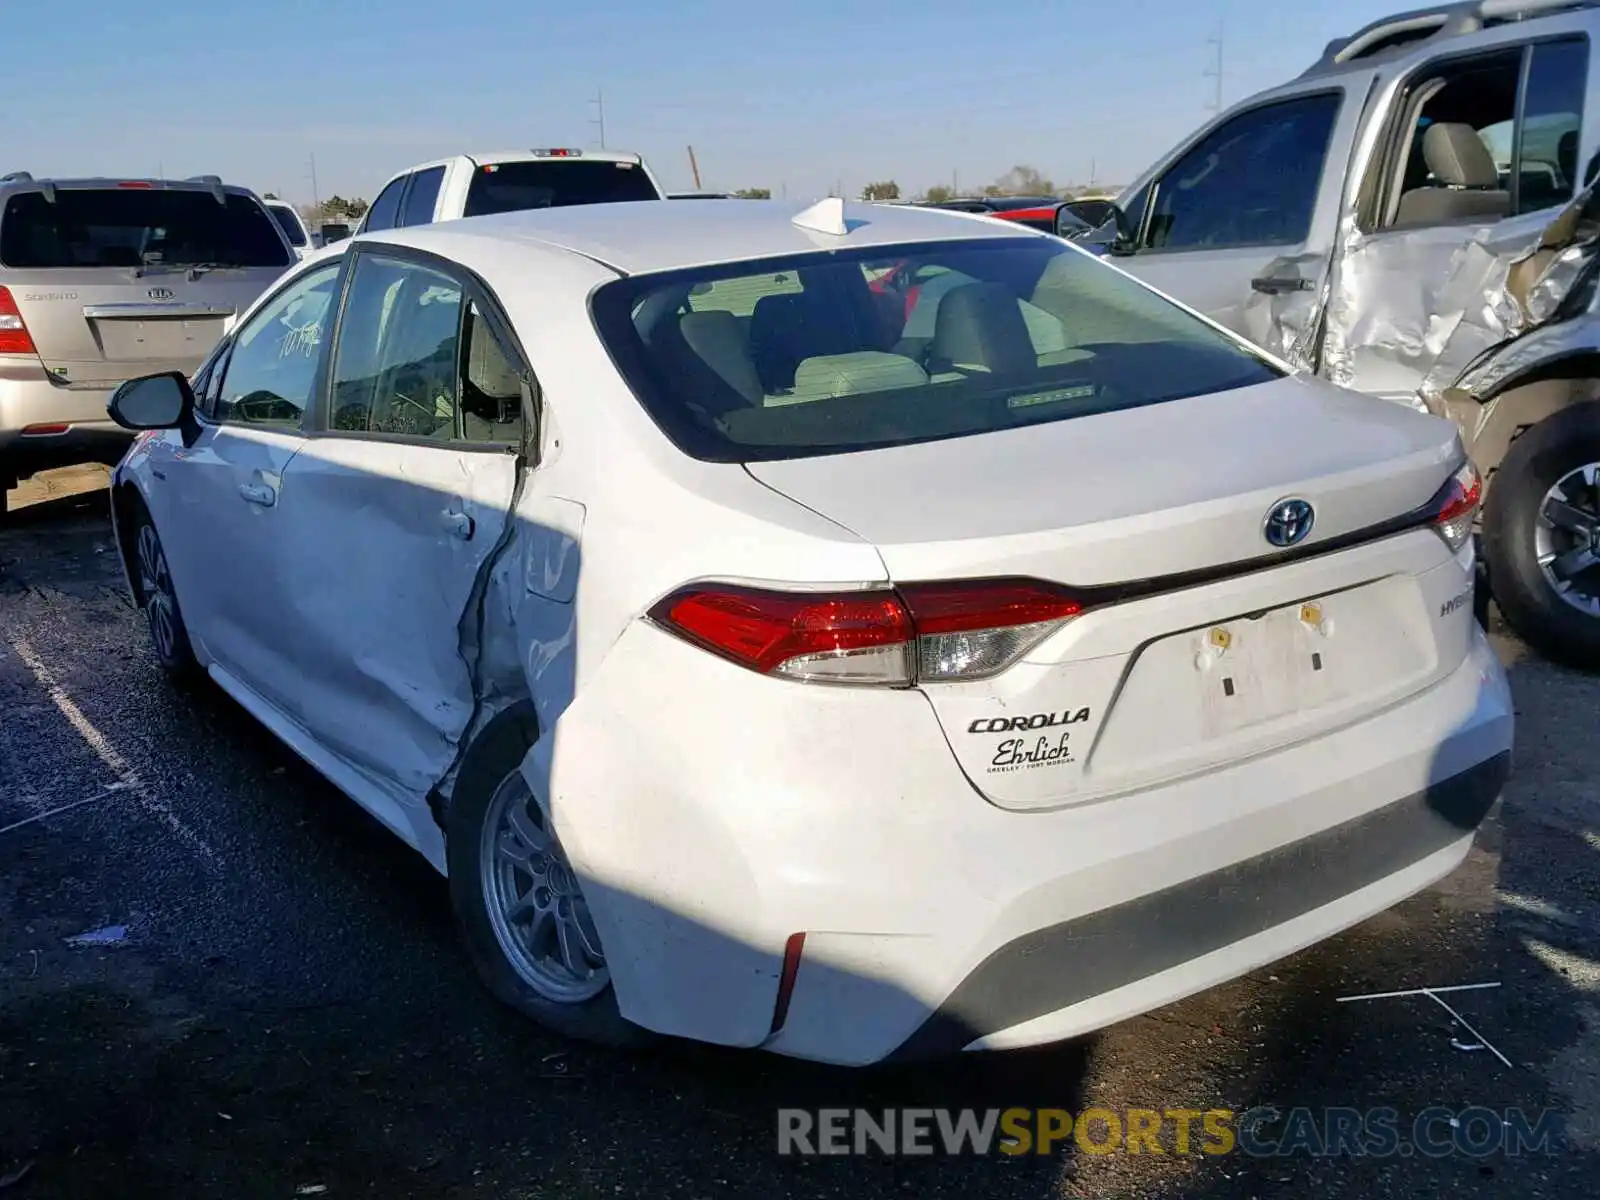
x: 1193, y: 674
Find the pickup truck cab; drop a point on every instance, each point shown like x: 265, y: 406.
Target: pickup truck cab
x: 472, y: 185
x: 1412, y: 216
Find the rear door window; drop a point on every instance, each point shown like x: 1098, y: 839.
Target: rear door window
x: 138, y: 227
x: 555, y: 183
x: 385, y: 209
x: 422, y: 196
x: 289, y: 223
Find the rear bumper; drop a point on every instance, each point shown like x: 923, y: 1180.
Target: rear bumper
x: 1047, y: 973
x: 713, y: 813
x: 28, y: 399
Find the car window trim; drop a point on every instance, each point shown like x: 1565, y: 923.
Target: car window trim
x: 1341, y: 97
x: 473, y: 291
x: 225, y: 362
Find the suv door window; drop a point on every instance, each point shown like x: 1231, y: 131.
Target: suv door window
x: 272, y: 369
x: 1252, y: 181
x: 1546, y: 169
x: 386, y: 208
x: 420, y: 199
x: 1489, y: 137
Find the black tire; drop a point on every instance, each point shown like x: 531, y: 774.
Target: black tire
x: 160, y: 602
x: 1531, y: 606
x: 497, y: 753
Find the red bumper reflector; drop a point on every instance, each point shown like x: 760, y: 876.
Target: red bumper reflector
x: 791, y: 967
x: 43, y: 430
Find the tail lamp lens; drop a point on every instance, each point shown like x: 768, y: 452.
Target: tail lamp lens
x: 1455, y: 508
x: 958, y: 630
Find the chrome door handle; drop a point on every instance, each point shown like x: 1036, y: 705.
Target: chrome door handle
x: 259, y: 493
x: 457, y: 524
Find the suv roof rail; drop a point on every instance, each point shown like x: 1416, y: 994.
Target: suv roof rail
x: 212, y: 179
x: 1391, y: 34
x: 17, y: 177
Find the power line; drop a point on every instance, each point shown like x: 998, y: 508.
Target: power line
x: 599, y: 102
x: 1214, y: 72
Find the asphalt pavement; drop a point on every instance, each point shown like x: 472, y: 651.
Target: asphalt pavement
x: 270, y: 1001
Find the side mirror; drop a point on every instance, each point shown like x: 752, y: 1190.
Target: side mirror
x: 163, y: 401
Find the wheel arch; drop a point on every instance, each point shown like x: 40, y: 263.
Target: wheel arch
x: 518, y: 721
x: 127, y: 502
x: 1490, y: 423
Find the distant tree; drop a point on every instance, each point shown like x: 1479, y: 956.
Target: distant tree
x: 337, y: 208
x: 1021, y: 181
x: 938, y: 194
x: 886, y: 189
x: 269, y: 195
x: 754, y: 193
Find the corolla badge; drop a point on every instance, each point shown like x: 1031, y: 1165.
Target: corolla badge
x: 160, y: 293
x: 1288, y: 522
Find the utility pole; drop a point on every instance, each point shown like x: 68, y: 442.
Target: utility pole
x: 599, y: 103
x: 316, y: 196
x: 1092, y: 165
x: 694, y: 169
x: 955, y: 182
x: 1214, y: 72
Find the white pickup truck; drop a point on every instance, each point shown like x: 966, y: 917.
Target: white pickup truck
x: 472, y: 185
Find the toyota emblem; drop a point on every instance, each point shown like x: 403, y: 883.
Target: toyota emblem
x: 1288, y: 523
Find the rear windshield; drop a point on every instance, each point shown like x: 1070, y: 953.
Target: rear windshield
x: 554, y: 183
x: 130, y: 227
x: 832, y: 352
x: 289, y: 223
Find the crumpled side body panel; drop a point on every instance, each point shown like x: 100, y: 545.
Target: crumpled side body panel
x: 1422, y: 311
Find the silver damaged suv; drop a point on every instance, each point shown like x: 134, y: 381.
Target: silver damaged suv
x: 1415, y: 216
x: 103, y: 280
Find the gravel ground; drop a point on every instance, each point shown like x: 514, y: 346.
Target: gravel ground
x: 286, y: 1009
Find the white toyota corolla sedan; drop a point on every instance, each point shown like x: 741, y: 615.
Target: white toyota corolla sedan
x: 860, y: 632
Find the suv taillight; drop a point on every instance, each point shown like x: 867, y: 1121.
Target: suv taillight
x: 1454, y: 510
x: 14, y: 337
x: 929, y: 632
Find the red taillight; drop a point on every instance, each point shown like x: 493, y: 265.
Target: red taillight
x: 849, y: 637
x: 138, y: 185
x: 14, y: 337
x: 1455, y: 508
x: 965, y: 629
x: 972, y: 628
x: 47, y: 430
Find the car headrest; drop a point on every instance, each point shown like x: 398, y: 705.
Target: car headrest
x: 980, y: 325
x: 1457, y: 156
x: 828, y: 375
x: 718, y: 339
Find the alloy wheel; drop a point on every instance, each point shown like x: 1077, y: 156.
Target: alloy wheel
x: 155, y: 585
x: 1567, y: 538
x: 535, y: 904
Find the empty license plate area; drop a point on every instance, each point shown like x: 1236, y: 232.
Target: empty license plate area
x: 127, y: 339
x: 1257, y: 680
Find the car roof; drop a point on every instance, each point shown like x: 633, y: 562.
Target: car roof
x: 27, y: 183
x: 643, y: 236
